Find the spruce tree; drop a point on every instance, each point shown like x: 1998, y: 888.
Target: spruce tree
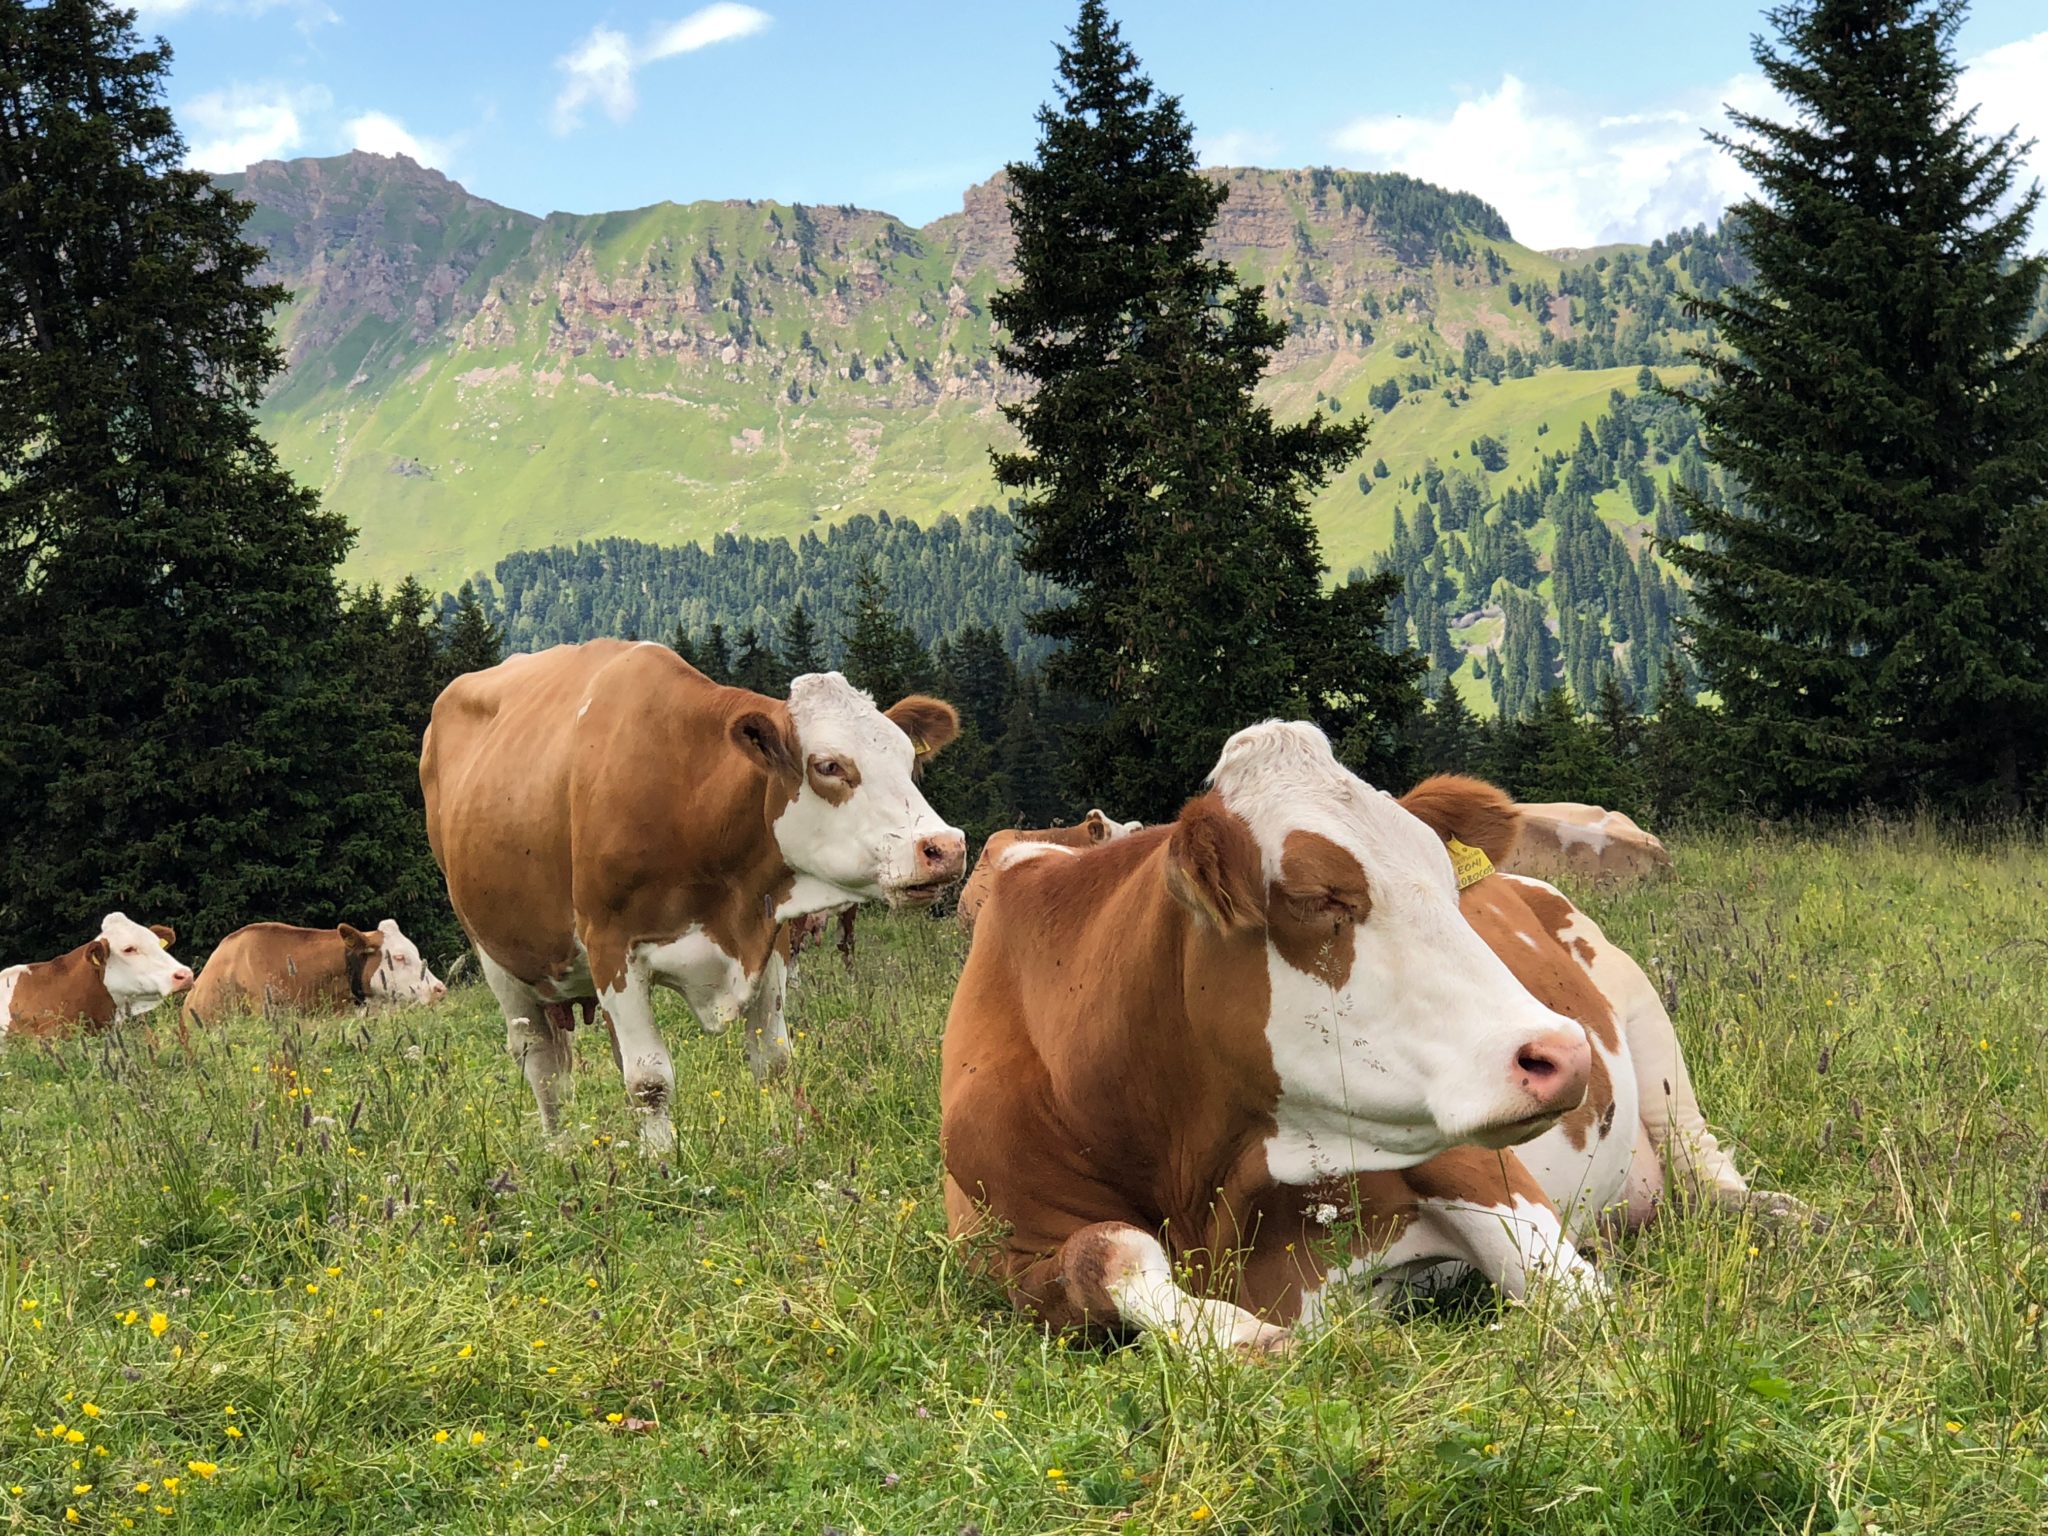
x: 177, y: 732
x: 471, y: 641
x: 1871, y: 607
x: 757, y: 666
x: 1158, y: 493
x: 714, y: 656
x: 803, y: 649
x: 882, y: 655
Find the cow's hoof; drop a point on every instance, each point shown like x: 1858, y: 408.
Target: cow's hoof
x: 1265, y: 1341
x: 770, y: 1062
x: 1775, y: 1209
x: 657, y: 1137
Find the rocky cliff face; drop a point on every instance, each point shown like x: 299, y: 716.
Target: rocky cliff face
x: 387, y: 258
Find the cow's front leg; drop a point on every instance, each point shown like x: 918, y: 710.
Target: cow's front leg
x: 1484, y: 1209
x: 643, y: 1058
x: 1112, y: 1272
x: 767, y: 1042
x: 531, y: 1039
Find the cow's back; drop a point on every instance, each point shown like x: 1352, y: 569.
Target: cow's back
x: 51, y: 997
x: 997, y: 851
x: 1585, y: 842
x: 271, y: 965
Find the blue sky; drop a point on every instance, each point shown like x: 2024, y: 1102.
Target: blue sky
x: 1580, y: 121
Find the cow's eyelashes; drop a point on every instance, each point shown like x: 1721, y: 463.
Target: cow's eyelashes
x: 828, y: 768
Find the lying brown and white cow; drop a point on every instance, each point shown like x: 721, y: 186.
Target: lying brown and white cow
x: 1587, y: 843
x: 120, y: 975
x: 311, y: 970
x: 1001, y: 847
x: 609, y: 819
x: 1197, y: 1074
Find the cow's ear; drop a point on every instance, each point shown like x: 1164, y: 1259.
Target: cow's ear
x: 929, y: 723
x: 1098, y: 827
x: 1470, y: 810
x: 352, y: 938
x: 166, y: 935
x: 1213, y: 867
x: 767, y: 741
x: 97, y: 951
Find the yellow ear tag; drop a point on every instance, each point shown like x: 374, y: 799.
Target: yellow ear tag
x: 918, y: 746
x: 1470, y: 864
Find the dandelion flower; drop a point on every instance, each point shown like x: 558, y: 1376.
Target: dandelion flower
x: 476, y: 1437
x: 81, y: 1487
x: 202, y: 1469
x: 234, y: 1433
x: 465, y: 1352
x: 71, y: 1516
x: 1199, y: 1512
x: 1055, y: 1473
x: 90, y: 1410
x: 440, y: 1437
x: 171, y: 1484
x: 312, y: 1289
x: 158, y: 1323
x: 540, y: 1343
x: 615, y: 1418
x: 149, y: 1284
x: 142, y: 1487
x: 73, y: 1437
x: 1953, y: 1427
x: 333, y: 1270
x: 540, y: 1442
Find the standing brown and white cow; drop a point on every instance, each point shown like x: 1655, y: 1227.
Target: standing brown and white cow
x: 1199, y: 1073
x: 120, y: 975
x: 609, y: 820
x: 326, y: 970
x: 1009, y: 844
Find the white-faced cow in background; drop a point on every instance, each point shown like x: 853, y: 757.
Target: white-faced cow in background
x: 120, y: 975
x: 609, y: 819
x: 1198, y: 1073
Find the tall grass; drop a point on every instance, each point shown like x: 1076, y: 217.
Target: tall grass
x: 335, y: 1263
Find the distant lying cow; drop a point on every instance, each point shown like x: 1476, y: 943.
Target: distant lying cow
x: 1000, y: 849
x: 311, y: 970
x: 120, y: 975
x: 609, y: 820
x: 1197, y: 1074
x: 1585, y: 842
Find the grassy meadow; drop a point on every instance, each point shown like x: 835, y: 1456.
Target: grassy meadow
x: 326, y: 1276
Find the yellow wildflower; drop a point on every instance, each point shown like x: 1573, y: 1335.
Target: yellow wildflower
x: 440, y: 1437
x: 234, y: 1433
x: 540, y: 1442
x: 158, y: 1323
x: 465, y: 1352
x: 73, y: 1437
x: 476, y: 1437
x: 171, y: 1484
x: 149, y: 1284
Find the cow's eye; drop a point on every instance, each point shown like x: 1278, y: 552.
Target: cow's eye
x: 131, y: 950
x: 829, y: 768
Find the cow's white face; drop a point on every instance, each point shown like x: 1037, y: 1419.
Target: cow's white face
x: 401, y: 976
x: 136, y: 964
x: 1394, y: 1031
x: 859, y: 823
x: 1105, y: 829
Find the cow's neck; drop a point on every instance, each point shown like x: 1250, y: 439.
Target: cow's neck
x: 1155, y: 1074
x: 808, y: 894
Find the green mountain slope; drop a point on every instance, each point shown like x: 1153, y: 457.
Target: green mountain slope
x: 467, y: 380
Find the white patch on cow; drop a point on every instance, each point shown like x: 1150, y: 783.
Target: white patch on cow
x: 1414, y: 1053
x: 868, y: 847
x: 402, y: 975
x: 1116, y: 828
x: 1591, y: 835
x: 584, y: 710
x: 139, y: 972
x: 1023, y: 852
x: 1147, y: 1296
x: 8, y: 980
x: 1518, y: 1247
x: 712, y: 982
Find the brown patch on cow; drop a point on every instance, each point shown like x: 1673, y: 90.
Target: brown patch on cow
x: 1583, y: 948
x: 53, y: 998
x: 1475, y: 1176
x: 166, y: 935
x: 832, y: 779
x: 1471, y: 810
x: 1314, y: 908
x: 931, y: 724
x: 275, y: 965
x: 1213, y: 866
x: 1091, y: 832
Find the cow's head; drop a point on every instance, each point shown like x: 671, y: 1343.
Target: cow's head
x: 855, y: 818
x: 135, y: 963
x: 386, y: 969
x: 1393, y: 1030
x: 1104, y: 829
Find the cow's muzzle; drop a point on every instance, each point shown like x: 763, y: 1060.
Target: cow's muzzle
x: 940, y: 860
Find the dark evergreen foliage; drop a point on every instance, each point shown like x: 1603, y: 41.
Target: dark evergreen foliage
x: 1871, y: 608
x: 1163, y: 500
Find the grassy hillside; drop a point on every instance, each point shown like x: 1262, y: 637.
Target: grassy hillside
x: 329, y: 1277
x: 468, y: 380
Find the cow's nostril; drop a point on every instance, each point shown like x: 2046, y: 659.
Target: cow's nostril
x: 1534, y: 1062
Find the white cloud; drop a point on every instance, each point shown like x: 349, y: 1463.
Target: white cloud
x: 382, y: 134
x: 1562, y: 177
x: 1237, y: 146
x: 600, y: 69
x: 233, y: 128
